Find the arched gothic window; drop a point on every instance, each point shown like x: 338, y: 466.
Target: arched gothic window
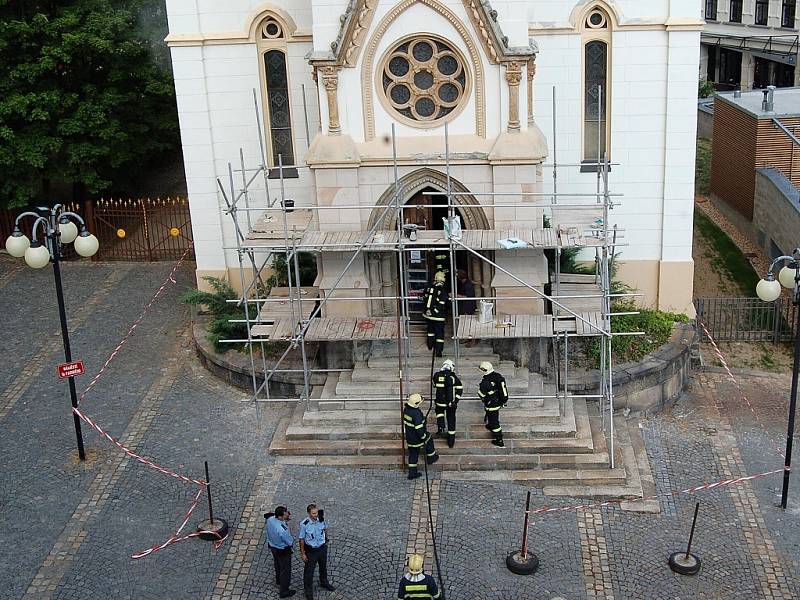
x: 275, y: 92
x: 596, y: 85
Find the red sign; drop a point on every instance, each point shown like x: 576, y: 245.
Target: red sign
x: 71, y: 369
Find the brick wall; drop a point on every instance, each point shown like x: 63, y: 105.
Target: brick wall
x: 733, y: 158
x: 776, y: 211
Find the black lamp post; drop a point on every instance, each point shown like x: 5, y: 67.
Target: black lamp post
x: 57, y: 228
x: 769, y: 290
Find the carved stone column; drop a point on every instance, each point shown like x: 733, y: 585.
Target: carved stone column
x: 513, y: 77
x: 531, y: 75
x: 330, y: 79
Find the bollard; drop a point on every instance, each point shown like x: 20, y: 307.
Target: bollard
x: 686, y: 563
x: 523, y: 562
x: 211, y: 529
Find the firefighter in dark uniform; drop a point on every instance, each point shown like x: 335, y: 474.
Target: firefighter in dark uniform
x: 415, y: 583
x: 494, y: 394
x: 417, y: 435
x: 441, y: 260
x: 448, y: 392
x: 436, y: 298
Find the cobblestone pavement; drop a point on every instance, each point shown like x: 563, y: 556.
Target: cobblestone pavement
x: 69, y: 529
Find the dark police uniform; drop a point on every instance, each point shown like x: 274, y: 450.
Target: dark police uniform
x: 316, y: 549
x: 416, y: 437
x: 494, y: 394
x: 424, y: 588
x: 436, y: 298
x: 448, y: 392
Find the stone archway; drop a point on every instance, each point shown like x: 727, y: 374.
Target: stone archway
x: 412, y: 183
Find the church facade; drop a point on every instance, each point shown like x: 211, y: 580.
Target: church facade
x: 324, y: 82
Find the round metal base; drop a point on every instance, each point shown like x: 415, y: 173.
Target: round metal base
x: 522, y: 566
x: 210, y: 528
x: 682, y: 565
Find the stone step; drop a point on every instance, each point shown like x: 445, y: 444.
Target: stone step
x: 466, y: 415
x: 541, y: 407
x: 419, y: 347
x: 423, y: 361
x: 361, y: 372
x: 348, y: 388
x: 607, y: 478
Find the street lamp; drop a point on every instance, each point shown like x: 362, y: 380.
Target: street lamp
x: 57, y: 228
x: 768, y: 290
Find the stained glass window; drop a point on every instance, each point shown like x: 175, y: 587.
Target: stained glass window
x: 280, y: 121
x: 595, y: 100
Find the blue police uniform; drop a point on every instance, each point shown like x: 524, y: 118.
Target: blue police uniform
x: 316, y: 550
x: 280, y: 544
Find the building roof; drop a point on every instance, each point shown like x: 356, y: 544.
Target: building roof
x: 786, y: 102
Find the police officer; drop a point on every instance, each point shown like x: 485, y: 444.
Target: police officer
x: 494, y: 394
x: 314, y: 540
x: 448, y: 392
x: 436, y: 298
x: 416, y: 435
x: 415, y: 583
x: 280, y: 543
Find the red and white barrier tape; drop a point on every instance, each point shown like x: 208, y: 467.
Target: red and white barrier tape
x: 691, y: 490
x: 170, y: 279
x: 722, y: 360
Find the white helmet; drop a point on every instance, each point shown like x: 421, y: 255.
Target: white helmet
x: 486, y: 367
x: 414, y: 400
x: 448, y: 365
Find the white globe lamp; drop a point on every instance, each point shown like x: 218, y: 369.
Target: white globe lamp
x: 68, y: 229
x: 17, y: 243
x: 786, y: 277
x: 86, y: 244
x: 37, y: 256
x: 768, y: 289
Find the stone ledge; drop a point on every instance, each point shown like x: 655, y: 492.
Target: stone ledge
x: 652, y: 384
x: 234, y: 367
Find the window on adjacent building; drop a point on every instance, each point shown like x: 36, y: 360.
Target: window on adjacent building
x: 275, y: 94
x: 711, y: 10
x: 596, y: 80
x: 788, y: 13
x: 735, y: 15
x: 762, y: 12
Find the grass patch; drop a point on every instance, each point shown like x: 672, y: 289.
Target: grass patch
x: 702, y: 170
x: 729, y: 261
x: 656, y: 325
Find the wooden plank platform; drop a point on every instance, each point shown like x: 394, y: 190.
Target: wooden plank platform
x: 336, y: 329
x: 506, y: 326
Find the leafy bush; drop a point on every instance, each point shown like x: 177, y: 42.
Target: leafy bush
x: 280, y: 276
x: 656, y: 325
x: 220, y: 327
x: 705, y: 88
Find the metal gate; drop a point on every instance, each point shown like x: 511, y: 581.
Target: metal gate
x: 141, y: 229
x: 747, y: 319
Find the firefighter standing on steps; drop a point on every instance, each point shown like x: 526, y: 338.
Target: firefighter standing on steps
x: 494, y: 394
x: 448, y: 392
x: 417, y: 435
x: 436, y: 298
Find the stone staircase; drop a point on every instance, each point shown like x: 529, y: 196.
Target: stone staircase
x: 556, y: 444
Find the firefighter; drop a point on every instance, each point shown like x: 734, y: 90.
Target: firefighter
x: 436, y: 298
x: 494, y: 394
x: 415, y: 583
x: 441, y: 260
x: 417, y: 435
x: 448, y: 392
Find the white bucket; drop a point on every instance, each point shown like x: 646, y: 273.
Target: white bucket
x: 485, y: 311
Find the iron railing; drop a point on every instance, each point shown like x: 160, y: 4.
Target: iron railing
x: 746, y: 319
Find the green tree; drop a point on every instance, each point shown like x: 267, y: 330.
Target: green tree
x: 86, y: 95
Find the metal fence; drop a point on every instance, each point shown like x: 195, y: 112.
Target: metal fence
x: 747, y: 319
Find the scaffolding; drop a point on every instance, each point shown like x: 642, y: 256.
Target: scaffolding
x: 293, y: 234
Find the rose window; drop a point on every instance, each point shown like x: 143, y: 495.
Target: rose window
x: 424, y: 79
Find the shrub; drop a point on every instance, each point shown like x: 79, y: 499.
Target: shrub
x: 222, y: 311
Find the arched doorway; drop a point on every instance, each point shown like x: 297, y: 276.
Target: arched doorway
x: 424, y: 196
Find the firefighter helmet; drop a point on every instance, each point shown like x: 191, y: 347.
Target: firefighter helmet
x: 448, y: 365
x: 414, y: 400
x: 439, y: 277
x: 414, y: 563
x: 486, y: 367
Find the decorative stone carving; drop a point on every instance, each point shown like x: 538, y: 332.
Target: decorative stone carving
x: 531, y: 75
x: 361, y: 22
x: 330, y: 79
x: 513, y: 77
x: 475, y: 12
